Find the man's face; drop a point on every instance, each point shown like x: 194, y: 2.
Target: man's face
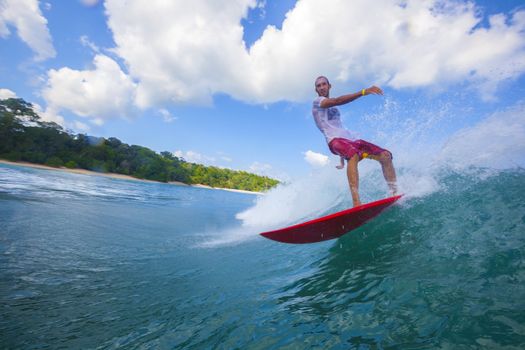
x: 322, y: 87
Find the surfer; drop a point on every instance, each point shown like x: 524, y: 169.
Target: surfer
x: 340, y: 141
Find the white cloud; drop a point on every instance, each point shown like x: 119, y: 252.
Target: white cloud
x: 82, y: 127
x: 260, y: 168
x: 89, y: 3
x: 194, y: 157
x: 316, y: 159
x: 99, y: 93
x: 181, y: 51
x: 265, y: 169
x: 49, y: 115
x: 84, y: 40
x: 6, y: 93
x: 261, y: 5
x: 97, y: 121
x: 184, y: 53
x: 166, y: 115
x: 178, y: 52
x: 30, y: 24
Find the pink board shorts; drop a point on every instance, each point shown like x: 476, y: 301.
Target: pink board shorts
x: 347, y: 148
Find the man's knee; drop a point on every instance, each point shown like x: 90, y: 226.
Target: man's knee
x: 385, y: 157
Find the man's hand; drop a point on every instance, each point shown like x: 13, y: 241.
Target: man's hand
x: 342, y: 164
x: 374, y: 90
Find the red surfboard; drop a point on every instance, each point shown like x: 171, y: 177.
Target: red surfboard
x: 330, y: 226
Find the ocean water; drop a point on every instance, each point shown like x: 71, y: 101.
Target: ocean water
x: 90, y: 262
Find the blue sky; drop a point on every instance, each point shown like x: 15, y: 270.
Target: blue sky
x: 231, y: 83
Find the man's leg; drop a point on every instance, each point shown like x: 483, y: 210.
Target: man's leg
x: 353, y: 179
x: 385, y: 158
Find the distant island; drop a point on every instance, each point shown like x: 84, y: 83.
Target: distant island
x: 25, y: 137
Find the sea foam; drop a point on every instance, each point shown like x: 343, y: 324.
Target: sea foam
x: 421, y: 159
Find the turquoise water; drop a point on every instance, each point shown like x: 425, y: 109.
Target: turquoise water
x: 97, y: 263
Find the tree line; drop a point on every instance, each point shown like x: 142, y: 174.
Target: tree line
x: 24, y: 136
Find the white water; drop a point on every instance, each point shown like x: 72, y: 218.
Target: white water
x: 495, y: 143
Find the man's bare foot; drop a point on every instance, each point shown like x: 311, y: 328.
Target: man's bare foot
x: 393, y: 188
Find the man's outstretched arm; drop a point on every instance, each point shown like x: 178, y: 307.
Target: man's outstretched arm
x: 344, y: 99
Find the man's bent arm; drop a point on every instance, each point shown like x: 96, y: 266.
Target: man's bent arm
x: 344, y: 99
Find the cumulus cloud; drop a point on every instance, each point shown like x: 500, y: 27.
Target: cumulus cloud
x: 185, y: 53
x: 30, y: 24
x: 400, y: 44
x: 49, y: 115
x: 181, y: 51
x: 316, y: 159
x: 99, y: 93
x: 177, y: 52
x: 6, y: 93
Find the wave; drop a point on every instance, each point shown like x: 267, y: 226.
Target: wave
x: 493, y: 148
x: 437, y: 268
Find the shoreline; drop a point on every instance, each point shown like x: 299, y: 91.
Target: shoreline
x: 118, y: 176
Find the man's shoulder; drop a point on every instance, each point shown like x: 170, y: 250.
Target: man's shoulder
x: 317, y: 101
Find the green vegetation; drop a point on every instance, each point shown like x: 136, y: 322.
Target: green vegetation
x: 25, y: 137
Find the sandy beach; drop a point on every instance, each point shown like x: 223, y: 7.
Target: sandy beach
x: 116, y: 176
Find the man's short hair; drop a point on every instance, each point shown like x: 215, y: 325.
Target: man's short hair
x: 321, y: 77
